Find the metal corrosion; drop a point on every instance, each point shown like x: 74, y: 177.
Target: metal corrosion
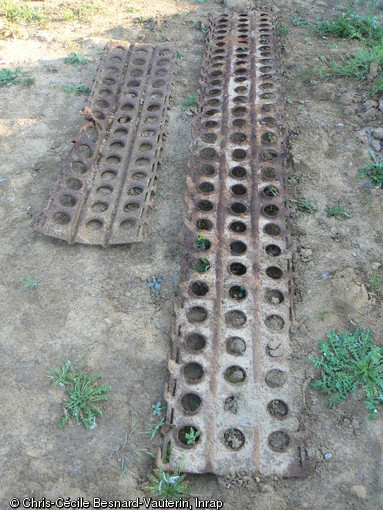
x: 106, y: 182
x: 229, y: 373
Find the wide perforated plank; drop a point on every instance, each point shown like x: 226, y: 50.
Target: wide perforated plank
x: 229, y: 370
x: 106, y: 182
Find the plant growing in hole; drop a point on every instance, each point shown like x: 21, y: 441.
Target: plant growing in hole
x: 264, y: 39
x: 322, y: 315
x: 190, y: 101
x: 374, y: 171
x: 158, y: 408
x: 201, y: 265
x: 270, y: 137
x: 84, y: 394
x: 202, y: 243
x: 349, y: 361
x: 155, y: 283
x: 192, y: 436
x: 168, y: 486
x: 8, y: 77
x: 76, y: 89
x: 268, y: 95
x: 76, y: 58
x: 31, y: 283
x: 337, y: 210
x: 241, y: 292
x: 375, y: 281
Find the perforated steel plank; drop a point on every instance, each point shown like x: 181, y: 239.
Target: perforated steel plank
x: 106, y: 182
x: 229, y: 369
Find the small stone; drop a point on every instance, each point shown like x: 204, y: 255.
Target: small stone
x: 378, y: 133
x: 359, y: 491
x: 375, y: 266
x: 374, y: 71
x: 381, y: 104
x: 257, y: 479
x: 327, y: 456
x: 355, y: 424
x: 375, y: 144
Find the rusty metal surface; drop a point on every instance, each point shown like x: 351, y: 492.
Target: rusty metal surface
x: 106, y: 182
x: 229, y: 370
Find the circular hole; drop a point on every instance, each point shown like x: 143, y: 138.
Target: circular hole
x: 108, y: 175
x: 234, y: 439
x: 131, y: 206
x: 239, y: 189
x: 268, y: 137
x: 92, y: 134
x: 199, y: 288
x: 78, y: 167
x: 156, y: 95
x: 239, y: 123
x: 209, y: 138
x: 136, y: 190
x: 232, y: 404
x: 272, y: 230
x: 273, y: 250
x: 191, y: 402
x: 127, y: 107
x: 212, y: 112
x: 146, y: 146
x: 271, y: 191
x: 277, y: 408
x: 267, y: 86
x: 139, y: 175
x: 275, y: 322
x: 237, y: 226
x: 98, y: 115
x: 271, y: 210
x: 133, y: 83
x: 267, y: 95
x: 239, y: 154
x: 108, y: 81
x: 102, y: 103
x: 204, y: 224
x: 214, y: 92
x: 237, y: 268
x: 269, y: 174
x: 193, y: 372
x: 61, y: 218
x: 163, y: 62
x: 268, y: 121
x: 235, y: 374
x: 274, y: 296
x: 205, y: 205
x: 279, y: 441
x: 238, y: 248
x: 148, y: 133
x: 238, y: 292
x: 239, y: 111
x: 94, y: 225
x: 274, y: 272
x: 235, y: 319
x: 238, y: 137
x: 240, y: 99
x: 189, y: 435
x: 206, y: 187
x: 207, y: 170
x: 104, y: 190
x: 202, y: 245
x: 139, y: 62
x: 238, y: 208
x: 158, y: 84
x: 67, y: 201
x: 241, y: 89
x: 267, y: 108
x: 269, y: 154
x: 236, y: 346
x: 208, y: 153
x: 212, y: 102
x: 124, y: 120
x: 239, y: 172
x: 121, y: 132
x: 137, y: 72
x: 128, y: 224
x: 197, y: 314
x: 165, y: 53
x: 210, y: 124
x: 113, y: 160
x: 100, y: 206
x: 195, y: 342
x: 153, y: 107
x: 117, y: 145
x: 74, y: 184
x: 151, y: 120
x: 275, y: 378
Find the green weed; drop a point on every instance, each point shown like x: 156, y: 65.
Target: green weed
x: 76, y: 58
x: 377, y: 86
x: 153, y: 431
x: 8, y: 77
x: 192, y: 436
x: 322, y: 314
x: 202, y: 243
x: 31, y: 283
x: 190, y: 101
x: 16, y: 12
x: 76, y: 89
x: 130, y: 9
x: 180, y: 54
x: 158, y: 408
x: 373, y: 171
x: 349, y: 361
x: 351, y: 25
x: 282, y: 30
x: 375, y: 281
x: 168, y: 486
x: 298, y: 21
x: 337, y: 210
x: 303, y: 205
x: 83, y: 392
x: 201, y: 265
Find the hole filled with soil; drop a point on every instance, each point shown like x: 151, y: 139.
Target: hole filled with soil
x: 231, y: 404
x: 272, y: 230
x: 205, y: 205
x: 195, y: 341
x: 238, y: 189
x: 235, y: 319
x: 277, y: 409
x: 235, y: 374
x: 193, y: 372
x: 237, y: 268
x: 279, y: 441
x: 234, y: 439
x: 235, y: 345
x: 199, y: 288
x: 191, y: 402
x: 275, y: 378
x: 274, y: 296
x: 67, y: 201
x: 275, y: 322
x: 197, y: 314
x: 239, y: 172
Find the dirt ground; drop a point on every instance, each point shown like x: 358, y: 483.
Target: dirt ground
x: 97, y: 300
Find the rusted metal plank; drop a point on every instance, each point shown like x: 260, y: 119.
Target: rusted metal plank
x: 229, y: 372
x: 106, y: 182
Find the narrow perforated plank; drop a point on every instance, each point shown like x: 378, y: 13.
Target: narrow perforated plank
x: 106, y: 182
x: 229, y: 372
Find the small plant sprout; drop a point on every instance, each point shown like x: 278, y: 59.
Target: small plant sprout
x: 84, y: 394
x: 180, y: 54
x: 375, y: 281
x: 76, y: 58
x: 151, y: 433
x: 168, y: 486
x: 337, y: 210
x: 155, y: 283
x: 201, y: 265
x: 303, y: 205
x: 190, y: 101
x: 76, y: 89
x: 192, y: 436
x: 349, y: 361
x: 298, y: 21
x: 158, y: 408
x: 31, y: 283
x: 322, y: 314
x: 8, y: 77
x: 374, y: 171
x: 204, y: 29
x: 282, y: 30
x: 202, y: 243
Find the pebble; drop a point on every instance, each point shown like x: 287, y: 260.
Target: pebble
x: 378, y: 133
x: 327, y: 456
x: 360, y: 491
x: 375, y: 266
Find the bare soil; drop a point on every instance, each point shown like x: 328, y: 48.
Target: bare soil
x: 96, y: 300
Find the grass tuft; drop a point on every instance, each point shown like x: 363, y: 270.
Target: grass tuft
x: 76, y: 89
x: 76, y: 58
x: 168, y: 486
x: 16, y: 12
x: 8, y: 77
x: 190, y: 101
x: 373, y: 171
